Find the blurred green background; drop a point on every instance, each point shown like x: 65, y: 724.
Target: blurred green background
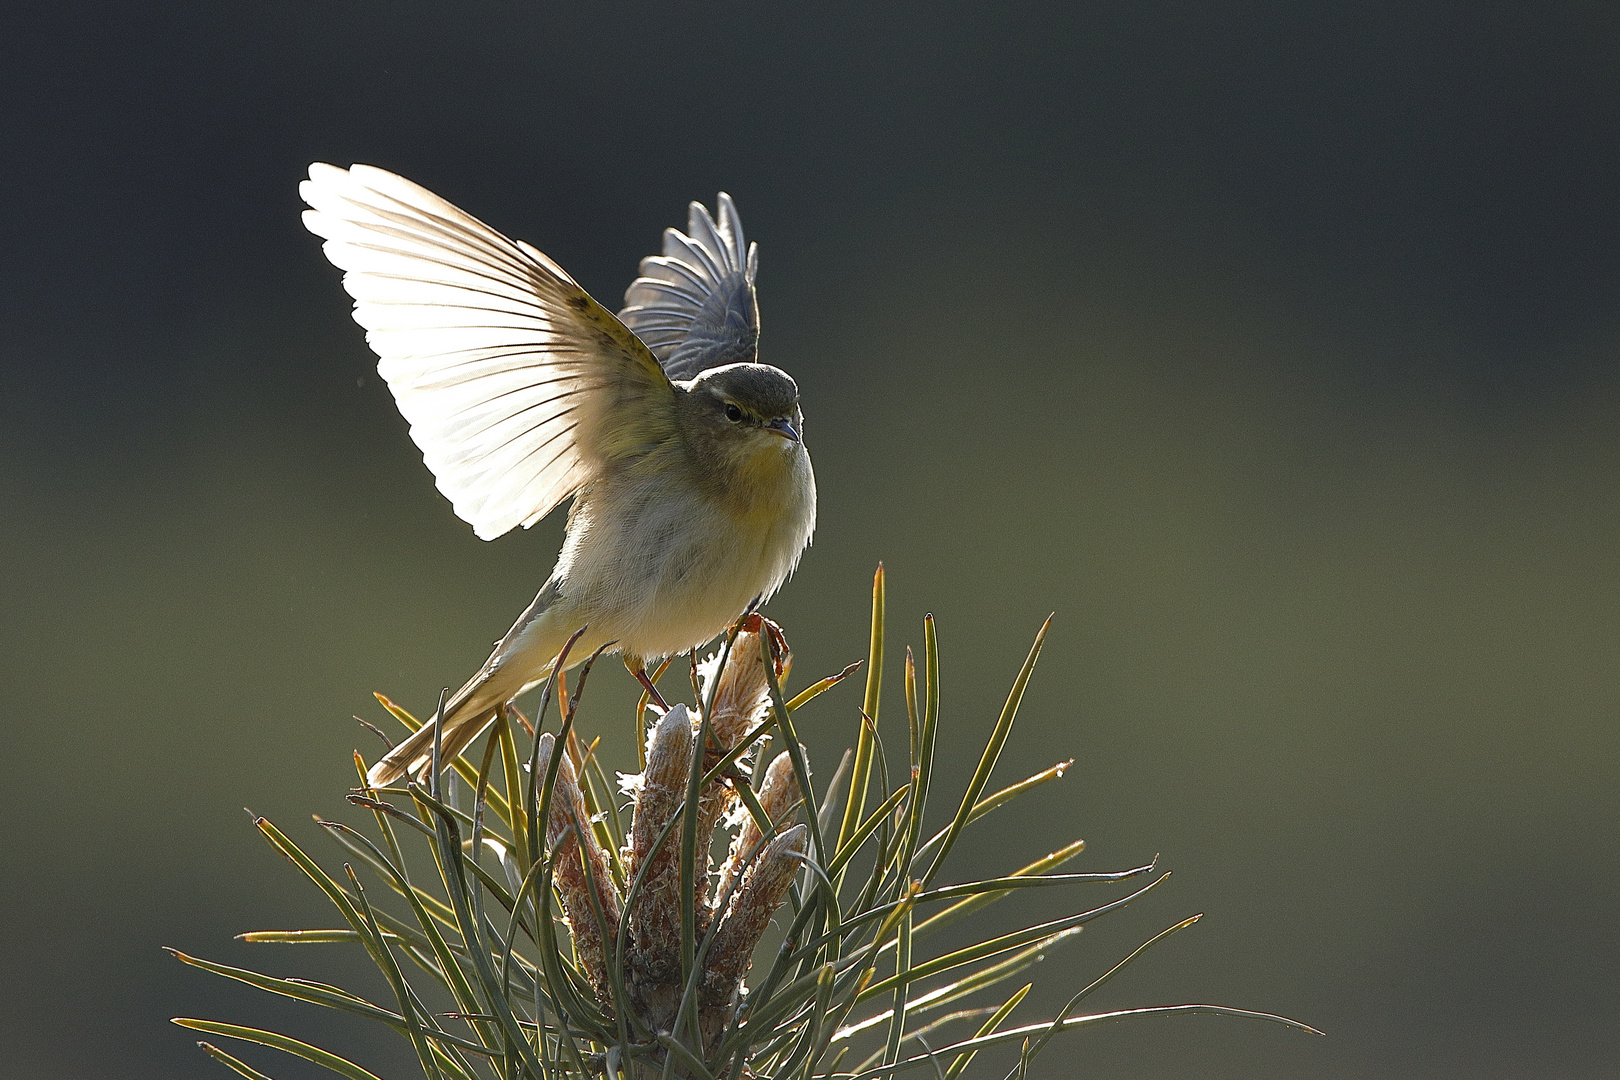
x: 1272, y: 345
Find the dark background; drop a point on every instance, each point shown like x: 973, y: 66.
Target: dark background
x: 1272, y: 345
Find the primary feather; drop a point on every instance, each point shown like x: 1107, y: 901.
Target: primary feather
x: 696, y: 305
x: 517, y: 385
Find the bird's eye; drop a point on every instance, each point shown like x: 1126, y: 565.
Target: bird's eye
x: 733, y: 413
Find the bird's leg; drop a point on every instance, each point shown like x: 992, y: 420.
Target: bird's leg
x: 658, y: 699
x: 639, y: 670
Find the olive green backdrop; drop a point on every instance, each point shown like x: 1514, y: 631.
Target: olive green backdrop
x: 1272, y: 346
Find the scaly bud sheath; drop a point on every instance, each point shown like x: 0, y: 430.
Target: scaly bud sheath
x: 778, y: 796
x: 654, y: 961
x: 743, y: 694
x: 764, y: 887
x: 741, y: 700
x: 568, y: 825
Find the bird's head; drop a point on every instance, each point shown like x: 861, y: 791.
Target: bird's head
x: 744, y: 410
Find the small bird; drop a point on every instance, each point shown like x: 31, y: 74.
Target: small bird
x: 693, y: 492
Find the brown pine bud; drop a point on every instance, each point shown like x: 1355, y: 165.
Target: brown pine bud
x: 742, y: 700
x: 656, y: 917
x: 764, y: 887
x: 743, y: 695
x: 567, y: 826
x: 778, y: 797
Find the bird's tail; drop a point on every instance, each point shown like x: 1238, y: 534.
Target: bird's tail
x: 463, y: 722
x: 522, y: 659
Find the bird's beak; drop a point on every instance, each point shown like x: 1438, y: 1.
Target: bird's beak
x: 784, y: 428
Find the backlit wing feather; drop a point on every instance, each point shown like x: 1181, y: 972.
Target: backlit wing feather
x: 695, y: 305
x: 517, y: 385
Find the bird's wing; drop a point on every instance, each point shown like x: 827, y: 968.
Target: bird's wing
x: 517, y: 385
x: 695, y: 305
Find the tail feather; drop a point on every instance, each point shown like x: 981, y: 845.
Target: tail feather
x: 464, y: 721
x: 521, y: 659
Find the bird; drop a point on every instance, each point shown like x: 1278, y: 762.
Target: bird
x: 693, y: 494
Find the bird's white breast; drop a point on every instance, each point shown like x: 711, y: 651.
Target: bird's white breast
x: 661, y: 568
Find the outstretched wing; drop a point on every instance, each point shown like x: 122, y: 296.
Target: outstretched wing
x: 695, y: 305
x: 517, y: 384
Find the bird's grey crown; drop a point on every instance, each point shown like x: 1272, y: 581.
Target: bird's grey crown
x: 695, y: 306
x: 768, y: 392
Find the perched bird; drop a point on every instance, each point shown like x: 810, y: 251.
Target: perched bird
x: 693, y: 493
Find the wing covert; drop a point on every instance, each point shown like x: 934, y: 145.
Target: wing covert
x: 695, y: 305
x: 517, y: 385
